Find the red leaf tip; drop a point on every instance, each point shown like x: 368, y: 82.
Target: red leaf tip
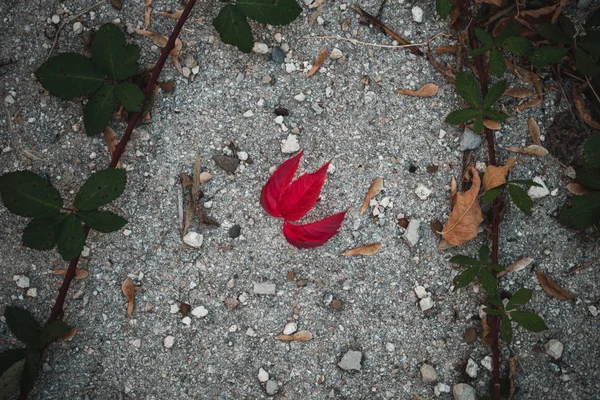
x: 278, y: 183
x: 313, y: 234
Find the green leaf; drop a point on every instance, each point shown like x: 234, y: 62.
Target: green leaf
x: 521, y: 296
x: 519, y: 46
x: 589, y: 177
x: 506, y: 330
x: 496, y: 115
x: 484, y: 37
x: 591, y: 151
x: 29, y: 195
x: 584, y: 212
x: 98, y: 109
x: 71, y: 238
x: 592, y: 46
x: 491, y: 194
x: 567, y: 27
x: 42, y: 233
x: 53, y: 331
x: 68, y: 75
x: 30, y: 370
x: 529, y: 182
x: 479, y: 50
x: 274, y: 12
x: 443, y: 7
x: 593, y: 22
x: 11, y: 368
x: 585, y: 64
x: 102, y: 221
x: 465, y: 277
x: 113, y: 55
x: 478, y: 125
x: 468, y: 89
x: 548, y: 55
x: 492, y: 311
x: 461, y: 116
x: 464, y: 260
x: 494, y: 94
x: 520, y: 198
x: 130, y: 96
x: 233, y: 28
x: 100, y: 189
x: 22, y: 324
x: 553, y: 33
x: 497, y: 62
x: 509, y: 30
x: 489, y: 283
x: 497, y: 267
x: 529, y: 321
x: 484, y: 254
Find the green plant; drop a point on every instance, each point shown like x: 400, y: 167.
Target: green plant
x: 517, y: 194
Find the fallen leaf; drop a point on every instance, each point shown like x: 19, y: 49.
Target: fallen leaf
x: 428, y: 90
x: 486, y: 334
x: 110, y: 137
x: 174, y: 15
x: 552, y: 287
x: 403, y: 222
x: 531, y: 150
x: 534, y: 131
x: 79, y: 273
x: 491, y: 124
x: 302, y: 194
x: 374, y: 189
x: 278, y: 183
x: 290, y: 276
x: 302, y: 336
x: 196, y: 182
x: 465, y: 218
x: 313, y: 234
x: 129, y: 292
x: 366, y: 250
x: 447, y: 49
x: 231, y: 303
x: 147, y: 12
x: 455, y: 14
x: 445, y: 71
x: 530, y: 104
x: 578, y: 189
x: 436, y: 226
x: 117, y: 4
x: 161, y: 41
x: 513, y: 362
x: 167, y: 86
x: 516, y: 266
x: 582, y: 110
x: 496, y: 176
x: 336, y: 304
x: 519, y: 93
x: 69, y: 336
x: 318, y: 62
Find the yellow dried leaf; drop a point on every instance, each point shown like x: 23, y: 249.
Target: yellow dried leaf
x: 530, y: 104
x: 578, y: 189
x: 158, y: 39
x: 531, y: 150
x: 318, y: 62
x: 147, y: 12
x: 519, y: 93
x: 427, y: 90
x: 516, y: 266
x: 79, y: 273
x: 552, y: 287
x: 582, y: 110
x: 534, y: 131
x: 174, y: 15
x: 491, y: 124
x: 496, y: 176
x: 129, y: 291
x: 301, y: 336
x: 366, y: 250
x: 374, y: 190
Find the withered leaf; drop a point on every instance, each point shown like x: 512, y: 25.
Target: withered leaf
x: 465, y: 218
x: 227, y: 163
x: 496, y: 176
x: 79, y: 273
x: 69, y: 336
x: 403, y: 222
x: 578, y: 189
x: 534, y: 131
x: 110, y: 137
x: 129, y: 291
x: 318, y: 62
x: 529, y: 104
x: 446, y: 49
x: 196, y: 182
x: 366, y: 250
x: 497, y: 3
x: 186, y: 180
x: 428, y: 90
x: 491, y: 124
x: 516, y: 266
x: 513, y: 362
x: 174, y: 15
x: 184, y: 308
x: 519, y: 93
x: 167, y: 86
x: 582, y: 110
x: 486, y: 334
x: 374, y: 189
x: 436, y: 226
x: 161, y: 41
x: 552, y: 287
x: 301, y: 336
x: 453, y: 190
x: 531, y: 150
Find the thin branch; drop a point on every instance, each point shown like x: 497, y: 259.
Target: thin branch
x: 386, y: 46
x: 584, y: 266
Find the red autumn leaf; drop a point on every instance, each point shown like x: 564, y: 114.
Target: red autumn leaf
x: 302, y: 194
x: 277, y: 183
x: 314, y: 234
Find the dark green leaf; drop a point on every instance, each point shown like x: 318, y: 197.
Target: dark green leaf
x: 548, y: 55
x: 443, y: 7
x: 529, y: 321
x: 519, y: 46
x: 591, y: 151
x: 22, y: 324
x: 479, y: 50
x: 592, y: 46
x: 98, y: 109
x: 584, y: 212
x: 589, y: 177
x: 521, y: 296
x: 53, y: 331
x: 30, y: 371
x: 491, y: 194
x: 464, y: 260
x: 496, y: 301
x: 484, y: 37
x: 461, y: 116
x: 484, y: 254
x: 520, y: 198
x: 567, y: 27
x: 553, y: 33
x: 29, y: 195
x: 497, y: 64
x: 506, y: 330
x: 11, y: 368
x: 102, y: 221
x: 528, y: 182
x: 233, y: 28
x: 496, y: 115
x: 492, y: 311
x: 100, y: 189
x: 8, y: 358
x: 585, y: 64
x: 497, y: 267
x: 465, y: 277
x: 274, y: 12
x: 509, y: 30
x: 71, y: 238
x: 488, y: 282
x: 468, y: 89
x: 42, y: 233
x: 68, y: 75
x: 494, y: 94
x: 478, y: 125
x: 593, y: 22
x: 110, y: 52
x: 130, y: 96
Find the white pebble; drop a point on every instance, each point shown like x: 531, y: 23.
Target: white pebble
x: 421, y: 292
x: 248, y: 114
x: 200, y: 312
x: 77, y: 28
x: 487, y: 362
x: 9, y: 100
x: 23, y: 282
x: 127, y: 232
x: 290, y: 144
x: 417, y: 14
x: 537, y: 192
x: 32, y: 292
x: 279, y: 119
x: 169, y: 341
x: 186, y: 321
x: 300, y: 97
x: 593, y: 310
x: 290, y: 328
x: 174, y: 309
x: 472, y: 368
x: 205, y: 177
x: 242, y: 155
x: 391, y: 347
x: 426, y: 303
x: 260, y: 48
x: 193, y: 239
x: 554, y: 349
x: 55, y: 19
x: 290, y: 67
x: 263, y: 375
x: 336, y: 54
x: 422, y: 192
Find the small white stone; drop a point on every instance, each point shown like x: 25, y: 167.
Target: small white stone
x: 441, y: 136
x: 384, y: 202
x: 422, y: 192
x: 260, y: 48
x: 196, y: 69
x: 336, y: 54
x: 85, y: 252
x: 233, y: 328
x: 417, y: 14
x: 77, y: 28
x: 169, y: 341
x: 554, y: 192
x: 186, y: 71
x: 265, y: 288
x: 300, y: 97
x: 208, y: 204
x: 137, y: 343
x: 32, y: 292
x: 391, y: 347
x: 174, y: 309
x: 537, y: 192
x: 290, y: 328
x: 411, y: 236
x: 186, y: 321
x: 263, y: 375
x: 331, y: 169
x: 242, y: 155
x: 421, y: 292
x: 426, y: 303
x: 462, y: 391
x: 248, y: 114
x: 127, y: 232
x: 93, y: 155
x: 487, y: 362
x: 279, y: 119
x: 9, y: 100
x: 278, y: 37
x: 554, y: 349
x: 290, y: 144
x: 23, y: 282
x: 441, y: 388
x: 428, y: 373
x: 250, y: 332
x: 290, y: 67
x: 260, y: 102
x: 205, y: 177
x: 200, y: 312
x: 193, y: 239
x: 343, y: 7
x: 376, y: 211
x: 593, y: 310
x: 472, y: 368
x: 55, y: 19
x: 320, y: 20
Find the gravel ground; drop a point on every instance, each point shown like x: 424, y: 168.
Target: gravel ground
x: 367, y: 131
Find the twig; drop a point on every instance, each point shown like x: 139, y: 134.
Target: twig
x: 584, y: 266
x: 387, y: 30
x: 386, y: 46
x: 592, y: 87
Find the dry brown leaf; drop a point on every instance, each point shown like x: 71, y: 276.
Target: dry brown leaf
x: 428, y: 90
x: 196, y: 181
x: 147, y: 12
x: 582, y: 110
x: 531, y: 150
x: 513, y: 362
x: 158, y: 39
x: 444, y: 71
x: 186, y: 180
x: 184, y: 308
x: 486, y: 334
x: 318, y: 62
x: 447, y: 49
x: 69, y: 336
x: 496, y: 176
x: 129, y: 292
x: 455, y: 14
x: 167, y: 86
x: 534, y: 131
x: 110, y: 137
x: 453, y: 191
x: 366, y: 250
x: 79, y: 273
x: 301, y: 336
x: 374, y: 190
x: 516, y: 266
x: 552, y: 287
x: 529, y: 104
x: 174, y: 15
x: 465, y: 218
x: 491, y: 124
x: 578, y: 189
x: 444, y: 245
x: 519, y: 93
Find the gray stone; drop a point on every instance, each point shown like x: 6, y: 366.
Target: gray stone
x: 263, y: 375
x: 472, y: 368
x: 441, y: 388
x: 264, y: 288
x: 554, y: 348
x: 277, y: 55
x: 537, y: 192
x: 193, y: 239
x: 235, y: 231
x: 351, y: 361
x: 428, y: 373
x: 412, y: 232
x: 426, y: 303
x: 420, y: 292
x: 271, y: 387
x: 462, y: 391
x: 469, y: 140
x: 227, y: 163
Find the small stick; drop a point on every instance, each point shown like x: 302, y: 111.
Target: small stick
x: 387, y: 30
x: 584, y: 266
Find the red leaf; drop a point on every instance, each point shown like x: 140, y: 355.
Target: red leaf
x: 277, y: 183
x: 314, y: 234
x: 302, y: 194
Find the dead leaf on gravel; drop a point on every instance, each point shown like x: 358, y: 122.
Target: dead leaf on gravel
x: 453, y: 191
x: 167, y: 86
x: 174, y: 15
x: 302, y: 336
x: 531, y: 150
x: 161, y: 41
x: 578, y: 189
x: 486, y: 334
x: 496, y: 176
x: 186, y: 180
x: 534, y: 131
x: 519, y: 93
x: 318, y: 62
x: 491, y: 124
x: 110, y: 137
x: 465, y: 218
x: 582, y: 110
x: 428, y: 90
x: 447, y: 49
x: 147, y: 12
x: 376, y: 187
x: 530, y: 104
x: 513, y: 362
x: 231, y: 303
x: 455, y: 14
x: 129, y: 291
x: 184, y: 308
x: 516, y: 266
x: 552, y: 287
x: 445, y: 71
x: 79, y: 273
x: 366, y: 250
x: 69, y: 336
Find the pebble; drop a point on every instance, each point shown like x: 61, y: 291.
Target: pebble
x: 265, y: 288
x: 472, y: 368
x: 537, y: 192
x: 290, y: 144
x: 242, y: 155
x: 487, y: 362
x: 426, y: 303
x: 169, y: 341
x: 290, y: 328
x: 570, y: 172
x: 470, y: 335
x: 469, y: 140
x: 391, y: 347
x: 317, y: 108
x: 186, y: 321
x: 263, y: 375
x: 428, y: 373
x: 195, y: 69
x: 417, y: 14
x: 200, y: 312
x: 351, y: 360
x: 593, y: 310
x: 174, y: 309
x: 248, y: 114
x: 193, y: 239
x: 235, y: 231
x: 250, y: 332
x: 412, y: 232
x: 422, y: 192
x: 77, y: 28
x: 336, y: 54
x: 420, y: 292
x: 441, y: 388
x: 300, y: 97
x: 272, y: 387
x: 55, y: 19
x: 137, y: 343
x: 205, y: 177
x: 32, y: 292
x: 554, y: 349
x: 277, y: 55
x: 22, y: 282
x: 127, y: 232
x: 462, y: 391
x: 290, y: 67
x: 9, y: 100
x: 260, y: 48
x: 227, y: 163
x: 279, y: 119
x: 85, y: 252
